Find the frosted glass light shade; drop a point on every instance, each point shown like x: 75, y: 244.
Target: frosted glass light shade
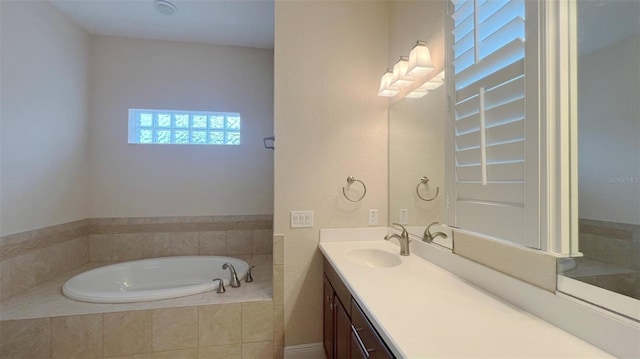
x: 420, y: 63
x: 385, y: 85
x: 432, y: 84
x: 400, y: 78
x: 417, y: 93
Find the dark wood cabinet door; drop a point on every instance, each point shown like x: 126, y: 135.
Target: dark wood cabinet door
x: 342, y: 331
x: 328, y: 322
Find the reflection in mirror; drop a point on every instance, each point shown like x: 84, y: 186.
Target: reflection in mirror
x: 416, y: 125
x: 609, y: 147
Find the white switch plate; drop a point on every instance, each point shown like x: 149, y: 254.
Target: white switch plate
x: 403, y: 216
x: 301, y: 219
x: 373, y: 217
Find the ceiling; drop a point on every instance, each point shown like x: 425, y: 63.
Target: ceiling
x: 222, y: 22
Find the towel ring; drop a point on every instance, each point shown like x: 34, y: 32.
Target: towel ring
x: 350, y: 180
x: 424, y: 180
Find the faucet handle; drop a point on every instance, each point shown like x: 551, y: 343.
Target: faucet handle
x: 404, y: 230
x: 221, y: 288
x: 249, y: 277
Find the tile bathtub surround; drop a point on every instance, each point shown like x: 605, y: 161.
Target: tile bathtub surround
x: 30, y: 258
x: 237, y: 330
x: 252, y: 330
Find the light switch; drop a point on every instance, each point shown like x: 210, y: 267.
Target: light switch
x: 301, y: 219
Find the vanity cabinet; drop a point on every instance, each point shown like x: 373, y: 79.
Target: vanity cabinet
x: 347, y: 331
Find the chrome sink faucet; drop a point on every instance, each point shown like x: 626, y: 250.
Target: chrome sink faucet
x: 233, y: 281
x: 429, y: 237
x: 403, y: 238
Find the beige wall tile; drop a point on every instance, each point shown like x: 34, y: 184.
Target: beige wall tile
x: 177, y: 354
x: 127, y: 333
x: 100, y: 246
x: 221, y: 352
x: 185, y: 244
x: 29, y: 270
x: 67, y: 256
x: 175, y: 328
x: 5, y: 278
x: 127, y: 246
x: 219, y: 324
x: 278, y: 351
x: 30, y: 338
x: 278, y: 284
x: 213, y: 243
x: 259, y: 350
x: 77, y: 336
x: 239, y: 242
x: 135, y: 356
x: 278, y: 325
x: 156, y: 245
x: 257, y: 321
x: 262, y: 241
x: 264, y: 267
x: 278, y: 249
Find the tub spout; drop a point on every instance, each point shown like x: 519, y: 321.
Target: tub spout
x: 234, y: 282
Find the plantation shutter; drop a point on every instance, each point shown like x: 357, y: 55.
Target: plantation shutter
x: 489, y: 106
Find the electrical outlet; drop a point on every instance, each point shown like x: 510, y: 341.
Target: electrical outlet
x: 403, y: 216
x: 373, y: 217
x: 301, y: 219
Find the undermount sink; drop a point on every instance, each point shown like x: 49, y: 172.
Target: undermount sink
x: 373, y: 258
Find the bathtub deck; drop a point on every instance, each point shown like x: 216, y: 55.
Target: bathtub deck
x: 47, y: 300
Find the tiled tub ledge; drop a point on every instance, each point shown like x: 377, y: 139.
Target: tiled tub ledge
x: 47, y: 301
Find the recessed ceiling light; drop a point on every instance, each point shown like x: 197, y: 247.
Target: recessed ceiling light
x: 165, y: 7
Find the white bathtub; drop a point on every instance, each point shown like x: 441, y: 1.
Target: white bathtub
x: 151, y: 279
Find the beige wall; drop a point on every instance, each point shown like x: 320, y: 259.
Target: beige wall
x: 416, y: 126
x: 329, y: 124
x: 44, y: 111
x: 154, y: 180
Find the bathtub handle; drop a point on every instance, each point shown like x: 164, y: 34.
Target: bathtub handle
x: 221, y: 288
x: 249, y: 277
x: 233, y: 281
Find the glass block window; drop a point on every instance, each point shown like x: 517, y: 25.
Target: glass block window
x: 183, y: 127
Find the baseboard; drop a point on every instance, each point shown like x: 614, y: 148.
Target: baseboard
x: 304, y: 351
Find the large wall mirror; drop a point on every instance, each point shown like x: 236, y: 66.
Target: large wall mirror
x: 416, y: 125
x: 608, y: 93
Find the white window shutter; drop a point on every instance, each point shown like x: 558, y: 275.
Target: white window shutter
x: 487, y: 189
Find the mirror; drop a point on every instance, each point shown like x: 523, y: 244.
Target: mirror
x: 609, y: 146
x: 416, y: 125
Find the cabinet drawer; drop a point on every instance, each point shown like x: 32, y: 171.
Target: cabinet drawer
x: 365, y: 336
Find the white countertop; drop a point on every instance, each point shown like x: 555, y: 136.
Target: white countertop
x: 423, y: 311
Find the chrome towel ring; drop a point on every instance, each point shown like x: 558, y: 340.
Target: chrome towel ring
x: 424, y: 180
x: 350, y: 180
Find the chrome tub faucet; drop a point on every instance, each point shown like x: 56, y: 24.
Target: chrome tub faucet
x: 233, y: 281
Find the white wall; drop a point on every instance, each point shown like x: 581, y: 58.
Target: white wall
x: 329, y: 124
x: 44, y: 117
x: 162, y: 180
x: 609, y: 132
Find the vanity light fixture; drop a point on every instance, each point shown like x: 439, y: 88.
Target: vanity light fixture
x: 165, y: 7
x: 417, y: 93
x: 385, y: 85
x: 400, y: 78
x: 420, y: 63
